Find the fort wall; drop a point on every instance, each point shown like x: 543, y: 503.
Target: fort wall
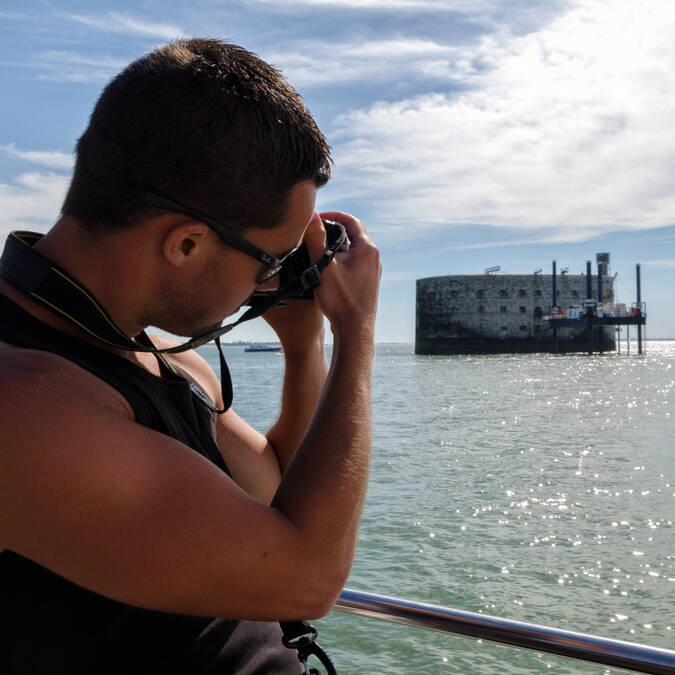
x: 471, y: 313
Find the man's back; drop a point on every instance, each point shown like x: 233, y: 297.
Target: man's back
x: 138, y: 514
x: 49, y: 624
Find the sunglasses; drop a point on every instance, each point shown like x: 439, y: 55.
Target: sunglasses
x: 272, y: 264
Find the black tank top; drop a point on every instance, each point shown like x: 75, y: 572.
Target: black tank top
x: 53, y: 626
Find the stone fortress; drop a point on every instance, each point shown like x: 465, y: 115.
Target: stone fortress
x: 496, y: 313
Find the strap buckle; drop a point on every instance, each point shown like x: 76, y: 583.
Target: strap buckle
x: 311, y: 277
x: 301, y: 636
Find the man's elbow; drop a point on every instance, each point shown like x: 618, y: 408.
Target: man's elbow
x: 315, y: 605
x: 322, y: 594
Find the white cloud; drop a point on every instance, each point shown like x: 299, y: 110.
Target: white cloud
x: 64, y: 66
x: 394, y: 60
x: 568, y: 134
x: 116, y: 22
x: 33, y: 201
x: 52, y: 159
x: 389, y: 5
x: 14, y: 16
x: 490, y: 244
x: 397, y: 276
x: 668, y: 263
x: 367, y: 60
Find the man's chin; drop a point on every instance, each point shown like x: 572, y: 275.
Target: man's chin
x: 192, y: 330
x: 205, y: 329
x: 189, y: 331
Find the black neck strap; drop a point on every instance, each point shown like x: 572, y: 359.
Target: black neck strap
x: 54, y: 288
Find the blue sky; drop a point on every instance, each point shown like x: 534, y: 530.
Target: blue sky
x: 466, y: 133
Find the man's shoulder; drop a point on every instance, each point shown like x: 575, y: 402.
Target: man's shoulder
x: 186, y: 359
x: 35, y: 378
x: 19, y: 365
x: 193, y: 365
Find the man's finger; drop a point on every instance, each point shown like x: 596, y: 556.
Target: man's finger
x: 354, y: 227
x: 315, y: 237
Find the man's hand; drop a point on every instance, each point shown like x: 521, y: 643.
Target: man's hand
x: 324, y: 487
x: 299, y: 326
x: 349, y: 285
x: 299, y: 323
x: 348, y: 296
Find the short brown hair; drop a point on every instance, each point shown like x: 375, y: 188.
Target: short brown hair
x: 205, y: 123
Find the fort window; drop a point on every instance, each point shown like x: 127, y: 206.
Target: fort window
x: 503, y: 293
x: 523, y: 327
x: 453, y: 310
x: 575, y: 293
x: 480, y: 293
x: 538, y: 313
x: 522, y: 293
x: 523, y: 309
x: 453, y: 294
x: 502, y: 309
x: 481, y: 309
x: 538, y: 292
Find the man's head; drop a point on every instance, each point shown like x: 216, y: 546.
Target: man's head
x: 205, y: 123
x: 200, y: 280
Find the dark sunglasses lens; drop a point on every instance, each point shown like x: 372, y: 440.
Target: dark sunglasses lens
x: 269, y: 273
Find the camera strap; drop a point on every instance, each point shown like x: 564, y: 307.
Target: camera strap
x: 54, y: 288
x: 301, y: 636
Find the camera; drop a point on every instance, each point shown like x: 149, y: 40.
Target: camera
x: 299, y: 276
x: 295, y: 266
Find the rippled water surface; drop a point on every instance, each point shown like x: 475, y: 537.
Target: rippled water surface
x: 535, y: 487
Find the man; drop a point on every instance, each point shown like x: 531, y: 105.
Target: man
x: 122, y: 534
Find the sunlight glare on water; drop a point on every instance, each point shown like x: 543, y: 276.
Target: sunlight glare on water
x: 535, y: 487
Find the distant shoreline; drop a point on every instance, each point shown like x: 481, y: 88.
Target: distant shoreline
x: 244, y: 343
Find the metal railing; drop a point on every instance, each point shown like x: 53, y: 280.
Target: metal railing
x: 616, y: 653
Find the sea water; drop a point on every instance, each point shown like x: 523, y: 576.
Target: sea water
x: 535, y: 487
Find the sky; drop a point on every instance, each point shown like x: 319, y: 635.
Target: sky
x: 466, y: 134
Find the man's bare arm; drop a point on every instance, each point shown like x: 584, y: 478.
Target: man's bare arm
x: 257, y: 461
x: 299, y: 326
x: 341, y: 425
x: 136, y: 516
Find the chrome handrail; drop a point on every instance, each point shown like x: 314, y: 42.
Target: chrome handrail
x: 616, y: 653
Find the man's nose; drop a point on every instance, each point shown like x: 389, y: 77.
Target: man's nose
x: 271, y: 284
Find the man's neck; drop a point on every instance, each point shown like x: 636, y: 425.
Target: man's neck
x: 107, y: 265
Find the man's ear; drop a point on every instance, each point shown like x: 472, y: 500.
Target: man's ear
x: 185, y: 243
